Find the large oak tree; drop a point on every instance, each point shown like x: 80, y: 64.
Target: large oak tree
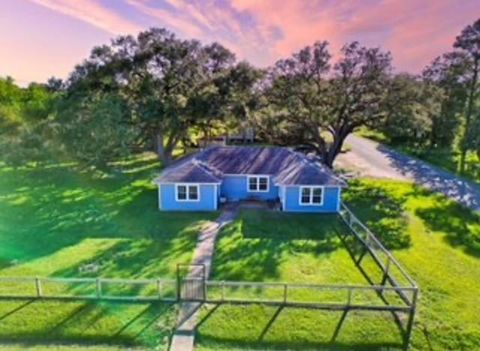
x: 168, y: 86
x: 309, y: 102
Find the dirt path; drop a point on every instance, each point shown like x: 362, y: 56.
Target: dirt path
x: 370, y: 159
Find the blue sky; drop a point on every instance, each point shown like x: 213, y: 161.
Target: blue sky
x: 44, y: 38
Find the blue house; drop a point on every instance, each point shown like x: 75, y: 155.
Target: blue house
x: 200, y: 182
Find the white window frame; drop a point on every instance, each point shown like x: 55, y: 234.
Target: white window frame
x: 257, y: 190
x: 310, y: 202
x: 187, y: 185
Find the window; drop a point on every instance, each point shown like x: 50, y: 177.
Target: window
x: 186, y: 192
x: 257, y: 183
x: 311, y: 195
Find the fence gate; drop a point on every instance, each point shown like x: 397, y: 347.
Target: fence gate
x: 191, y: 285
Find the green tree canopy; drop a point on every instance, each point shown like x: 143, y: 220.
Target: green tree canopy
x: 309, y: 102
x: 168, y: 85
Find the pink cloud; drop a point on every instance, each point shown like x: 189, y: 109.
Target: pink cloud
x: 259, y: 31
x: 415, y: 31
x: 92, y: 12
x: 167, y: 19
x: 208, y: 22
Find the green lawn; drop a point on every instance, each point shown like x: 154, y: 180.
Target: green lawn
x: 55, y: 219
x: 273, y: 246
x: 16, y: 346
x: 436, y: 240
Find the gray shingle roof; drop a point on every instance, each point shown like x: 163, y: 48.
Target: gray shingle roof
x: 286, y: 166
x: 189, y: 171
x: 307, y: 173
x: 248, y: 159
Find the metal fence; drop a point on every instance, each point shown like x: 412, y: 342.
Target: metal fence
x: 334, y: 297
x: 389, y: 271
x: 392, y: 271
x: 392, y: 290
x: 89, y: 288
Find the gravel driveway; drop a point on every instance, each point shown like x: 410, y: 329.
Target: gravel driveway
x: 370, y: 159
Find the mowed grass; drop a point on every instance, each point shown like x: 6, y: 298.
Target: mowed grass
x: 55, y: 220
x: 295, y: 248
x: 436, y: 240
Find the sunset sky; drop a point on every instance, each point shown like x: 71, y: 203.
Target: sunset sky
x: 44, y: 38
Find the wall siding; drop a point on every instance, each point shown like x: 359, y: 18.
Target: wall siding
x: 234, y: 188
x: 330, y: 201
x: 167, y: 201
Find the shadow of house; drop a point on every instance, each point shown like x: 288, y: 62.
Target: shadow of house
x: 251, y: 252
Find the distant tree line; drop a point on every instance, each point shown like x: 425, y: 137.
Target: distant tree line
x: 156, y: 91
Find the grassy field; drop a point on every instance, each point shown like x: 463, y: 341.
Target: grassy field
x: 272, y: 246
x: 55, y: 219
x: 436, y: 240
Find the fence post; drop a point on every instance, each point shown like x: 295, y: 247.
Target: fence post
x: 178, y: 283
x: 205, y: 287
x: 159, y: 288
x: 386, y: 272
x: 38, y: 287
x: 285, y: 288
x: 223, y: 290
x: 411, y: 318
x: 98, y: 288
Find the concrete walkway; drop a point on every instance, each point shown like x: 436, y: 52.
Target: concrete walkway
x: 184, y: 337
x: 371, y: 159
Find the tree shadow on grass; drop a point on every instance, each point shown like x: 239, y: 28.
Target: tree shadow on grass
x: 46, y: 209
x: 253, y: 246
x: 334, y: 330
x: 462, y: 227
x: 90, y: 323
x: 125, y: 260
x: 382, y: 213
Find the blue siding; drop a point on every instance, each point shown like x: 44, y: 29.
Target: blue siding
x: 234, y: 188
x: 167, y: 201
x: 330, y: 201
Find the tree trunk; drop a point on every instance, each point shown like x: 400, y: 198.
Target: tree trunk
x: 461, y: 163
x: 464, y: 145
x: 164, y: 153
x: 336, y: 146
x: 206, y: 137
